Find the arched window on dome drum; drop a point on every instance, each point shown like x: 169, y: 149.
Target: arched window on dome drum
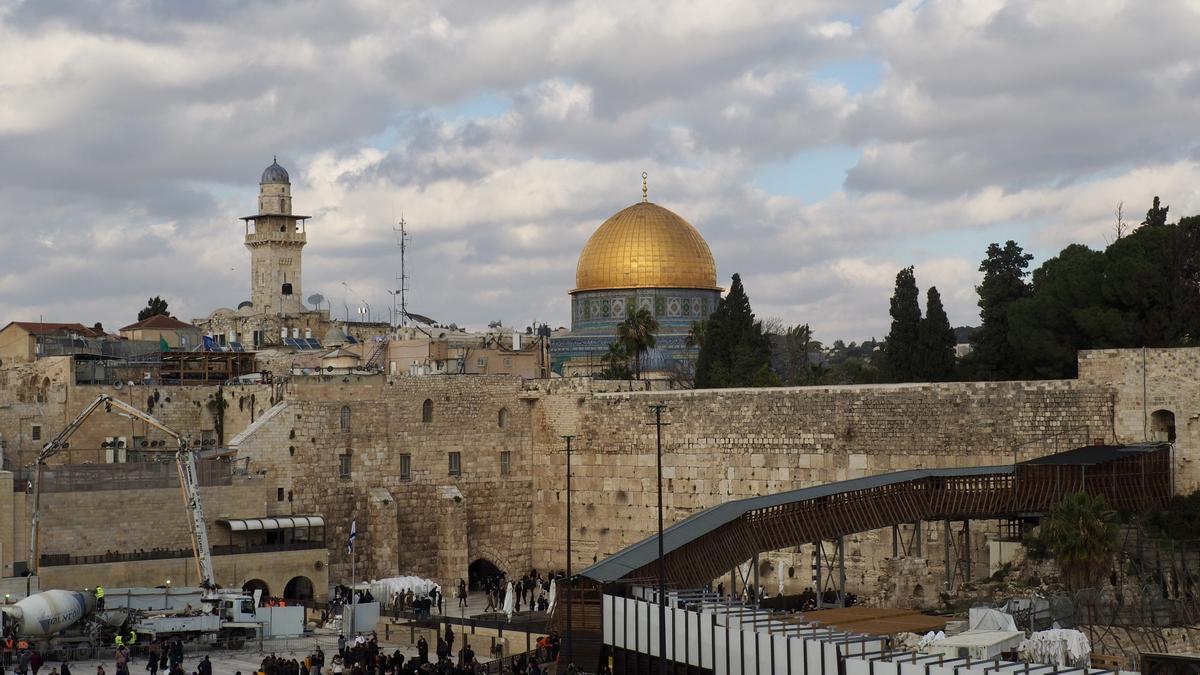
x: 427, y: 411
x: 345, y: 418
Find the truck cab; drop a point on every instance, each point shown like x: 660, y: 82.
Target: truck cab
x: 238, y: 609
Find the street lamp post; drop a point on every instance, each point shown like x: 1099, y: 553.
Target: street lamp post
x: 662, y: 574
x: 570, y: 625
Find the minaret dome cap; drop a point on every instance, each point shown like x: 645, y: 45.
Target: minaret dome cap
x: 275, y: 174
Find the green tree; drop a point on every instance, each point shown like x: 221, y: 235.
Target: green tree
x: 695, y: 336
x: 636, y: 336
x: 736, y: 352
x: 154, y: 306
x: 616, y: 363
x: 1064, y: 313
x: 901, y: 350
x: 1157, y: 215
x: 1082, y: 533
x: 936, y: 340
x: 993, y: 357
x: 799, y: 345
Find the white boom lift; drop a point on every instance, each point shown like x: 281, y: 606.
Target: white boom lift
x: 189, y: 482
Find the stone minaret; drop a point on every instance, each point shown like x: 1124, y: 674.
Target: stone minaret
x: 275, y: 238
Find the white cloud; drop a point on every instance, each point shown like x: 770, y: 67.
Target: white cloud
x: 133, y: 136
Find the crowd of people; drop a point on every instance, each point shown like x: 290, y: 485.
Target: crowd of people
x: 363, y: 656
x: 530, y: 590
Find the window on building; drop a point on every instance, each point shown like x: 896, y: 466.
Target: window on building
x: 344, y: 466
x: 278, y: 494
x: 502, y: 418
x: 345, y: 418
x: 505, y: 462
x: 427, y: 411
x: 183, y: 340
x: 455, y: 463
x: 1162, y: 426
x: 36, y: 432
x: 508, y: 362
x: 406, y: 466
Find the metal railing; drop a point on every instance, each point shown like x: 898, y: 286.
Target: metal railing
x: 59, y: 559
x: 121, y: 476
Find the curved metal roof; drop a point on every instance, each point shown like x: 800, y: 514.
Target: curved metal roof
x: 264, y: 524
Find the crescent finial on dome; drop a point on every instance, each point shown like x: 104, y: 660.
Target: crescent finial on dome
x: 645, y: 189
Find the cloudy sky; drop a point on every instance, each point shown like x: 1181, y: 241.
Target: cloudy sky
x: 819, y: 146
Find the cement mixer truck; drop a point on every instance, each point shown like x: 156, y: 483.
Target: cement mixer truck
x: 66, y: 624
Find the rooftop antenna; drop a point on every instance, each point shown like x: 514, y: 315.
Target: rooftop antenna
x: 402, y: 239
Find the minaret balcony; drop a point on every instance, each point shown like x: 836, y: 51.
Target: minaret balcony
x: 269, y: 237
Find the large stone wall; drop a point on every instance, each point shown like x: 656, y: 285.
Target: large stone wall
x: 431, y: 523
x: 1148, y: 386
x: 719, y: 445
x: 728, y: 444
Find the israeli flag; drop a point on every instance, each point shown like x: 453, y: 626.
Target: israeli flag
x: 353, y: 535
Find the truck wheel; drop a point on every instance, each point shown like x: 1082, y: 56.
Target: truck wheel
x: 236, y: 642
x: 83, y: 652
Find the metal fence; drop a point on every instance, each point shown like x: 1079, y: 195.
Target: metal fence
x: 51, y: 560
x: 120, y: 476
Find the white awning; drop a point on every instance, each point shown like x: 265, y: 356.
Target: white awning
x: 262, y: 524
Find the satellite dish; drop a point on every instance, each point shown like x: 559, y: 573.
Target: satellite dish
x: 315, y: 300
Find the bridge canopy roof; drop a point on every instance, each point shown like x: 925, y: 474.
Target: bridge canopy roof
x: 699, y: 546
x: 701, y: 523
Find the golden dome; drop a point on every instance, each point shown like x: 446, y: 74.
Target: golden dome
x: 645, y: 246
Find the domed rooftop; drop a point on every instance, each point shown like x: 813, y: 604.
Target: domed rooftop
x: 274, y: 174
x: 645, y: 246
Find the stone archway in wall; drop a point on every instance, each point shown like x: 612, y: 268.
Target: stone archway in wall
x: 299, y: 589
x: 493, y: 558
x: 1162, y: 426
x: 480, y: 570
x: 252, y: 585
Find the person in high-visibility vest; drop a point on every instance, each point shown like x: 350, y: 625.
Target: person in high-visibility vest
x: 119, y: 641
x: 99, y: 597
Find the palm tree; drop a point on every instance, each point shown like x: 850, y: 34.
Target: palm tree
x: 616, y: 363
x: 1082, y: 533
x: 636, y: 335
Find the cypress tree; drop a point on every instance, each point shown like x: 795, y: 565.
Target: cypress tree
x: 936, y: 338
x: 735, y: 351
x: 1003, y: 284
x: 901, y: 351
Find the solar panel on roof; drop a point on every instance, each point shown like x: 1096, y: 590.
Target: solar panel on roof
x: 236, y: 347
x: 350, y: 340
x: 312, y: 343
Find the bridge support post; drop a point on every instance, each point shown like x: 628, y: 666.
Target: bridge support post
x: 841, y: 550
x: 917, y: 539
x: 966, y: 552
x: 818, y: 553
x: 948, y: 544
x: 895, y: 541
x: 754, y: 592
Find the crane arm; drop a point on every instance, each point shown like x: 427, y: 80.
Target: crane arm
x: 189, y: 481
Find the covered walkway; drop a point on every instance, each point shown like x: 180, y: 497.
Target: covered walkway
x: 708, y: 544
